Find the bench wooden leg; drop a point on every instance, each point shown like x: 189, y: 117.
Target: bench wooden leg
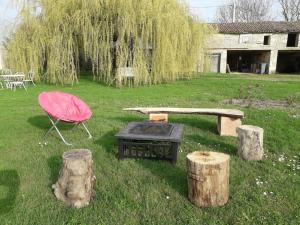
x: 158, y: 117
x: 227, y: 126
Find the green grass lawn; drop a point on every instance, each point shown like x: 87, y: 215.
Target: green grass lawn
x: 142, y: 191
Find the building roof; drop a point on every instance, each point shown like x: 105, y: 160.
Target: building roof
x: 258, y: 27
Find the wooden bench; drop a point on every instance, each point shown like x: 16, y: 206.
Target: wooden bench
x: 228, y: 119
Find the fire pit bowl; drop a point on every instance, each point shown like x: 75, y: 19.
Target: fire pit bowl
x: 150, y: 140
x: 151, y: 129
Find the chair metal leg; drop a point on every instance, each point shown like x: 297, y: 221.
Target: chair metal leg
x: 7, y: 85
x: 51, y: 128
x: 55, y: 127
x: 24, y: 86
x: 90, y: 136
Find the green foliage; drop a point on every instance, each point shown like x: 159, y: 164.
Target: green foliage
x: 159, y: 39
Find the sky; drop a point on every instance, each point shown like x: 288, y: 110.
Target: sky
x: 7, y: 16
x: 205, y: 9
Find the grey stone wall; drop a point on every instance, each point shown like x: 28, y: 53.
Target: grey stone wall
x: 255, y: 42
x: 221, y: 43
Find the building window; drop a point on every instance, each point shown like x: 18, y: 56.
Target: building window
x: 267, y: 40
x: 292, y: 40
x: 245, y: 38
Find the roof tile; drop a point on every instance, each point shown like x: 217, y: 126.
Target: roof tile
x: 258, y: 27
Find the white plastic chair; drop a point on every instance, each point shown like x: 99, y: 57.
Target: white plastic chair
x: 29, y: 78
x: 5, y: 81
x: 6, y: 72
x: 17, y: 82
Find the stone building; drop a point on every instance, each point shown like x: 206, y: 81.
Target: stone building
x: 262, y: 47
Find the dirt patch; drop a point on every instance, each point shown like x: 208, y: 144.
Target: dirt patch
x: 261, y: 104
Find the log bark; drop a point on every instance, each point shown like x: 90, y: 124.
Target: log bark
x: 208, y: 178
x: 250, y: 142
x: 76, y: 179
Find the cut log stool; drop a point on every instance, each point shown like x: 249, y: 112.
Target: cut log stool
x: 208, y: 178
x: 250, y: 142
x: 76, y: 179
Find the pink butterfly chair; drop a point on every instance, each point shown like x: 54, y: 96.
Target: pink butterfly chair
x: 63, y: 107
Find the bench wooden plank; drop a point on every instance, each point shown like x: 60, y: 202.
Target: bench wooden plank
x: 233, y: 113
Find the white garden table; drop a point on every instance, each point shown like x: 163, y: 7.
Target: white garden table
x: 12, y: 81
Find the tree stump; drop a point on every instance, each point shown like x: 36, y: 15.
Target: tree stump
x: 76, y: 179
x: 208, y: 178
x: 250, y: 142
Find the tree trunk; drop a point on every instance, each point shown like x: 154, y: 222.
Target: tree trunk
x: 208, y: 178
x: 76, y: 179
x: 250, y: 142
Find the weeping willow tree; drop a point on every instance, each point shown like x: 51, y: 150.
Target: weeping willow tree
x: 159, y: 39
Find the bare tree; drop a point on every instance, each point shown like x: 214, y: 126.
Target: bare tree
x: 245, y: 11
x: 290, y: 9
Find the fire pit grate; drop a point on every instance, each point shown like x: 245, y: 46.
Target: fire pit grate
x: 153, y: 129
x: 150, y: 140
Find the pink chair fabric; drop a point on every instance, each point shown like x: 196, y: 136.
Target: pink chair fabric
x: 64, y: 107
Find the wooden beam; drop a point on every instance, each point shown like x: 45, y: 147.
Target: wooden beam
x: 233, y: 113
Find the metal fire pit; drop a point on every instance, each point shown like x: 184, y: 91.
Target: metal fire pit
x: 150, y: 141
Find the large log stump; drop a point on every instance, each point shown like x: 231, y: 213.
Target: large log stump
x: 76, y: 179
x: 250, y: 142
x: 208, y: 178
